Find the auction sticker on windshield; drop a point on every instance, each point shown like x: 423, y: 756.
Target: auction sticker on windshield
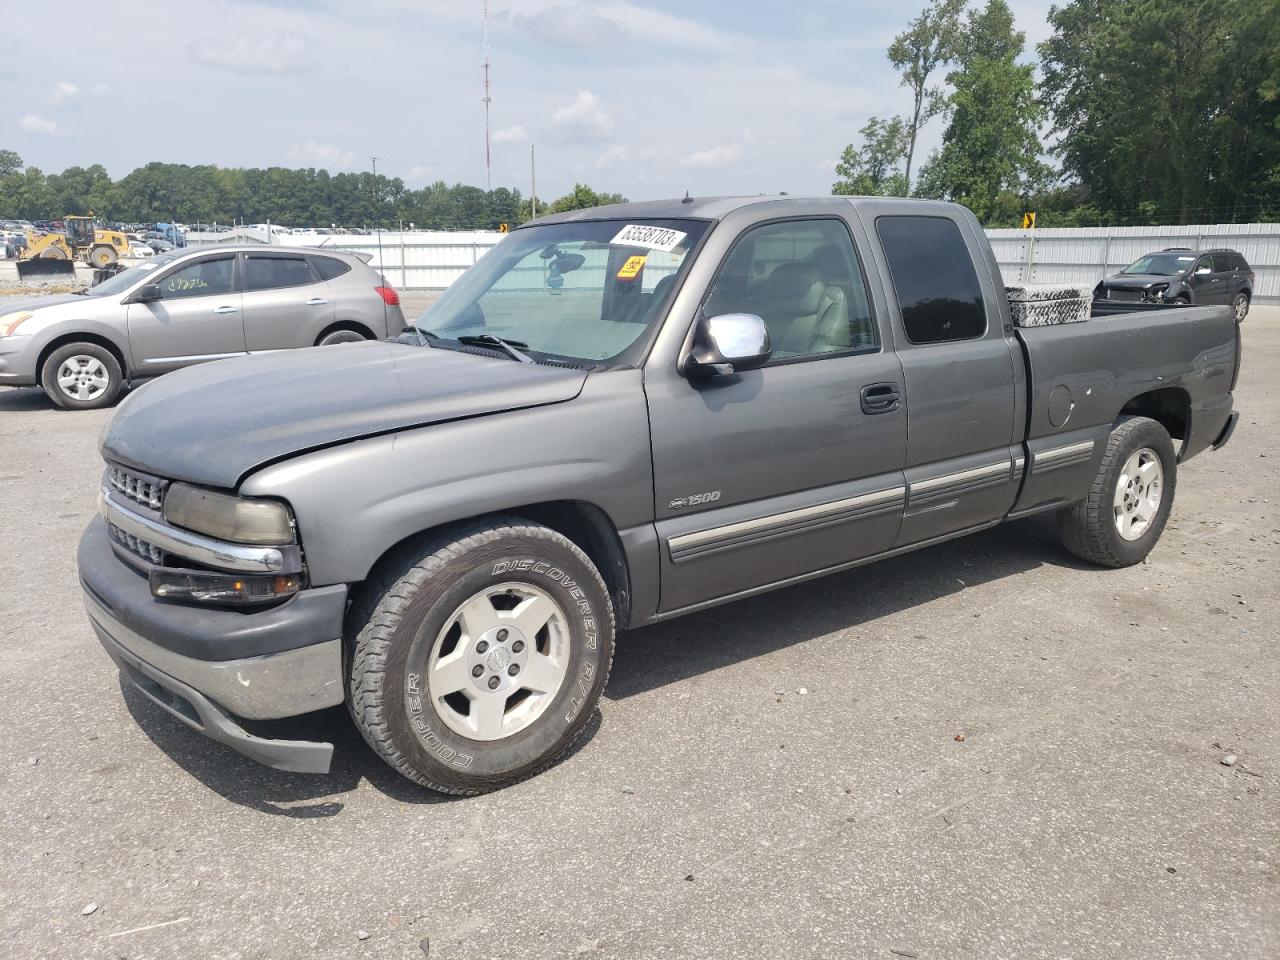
x: 655, y: 238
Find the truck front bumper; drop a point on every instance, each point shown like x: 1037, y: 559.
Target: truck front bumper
x: 275, y: 675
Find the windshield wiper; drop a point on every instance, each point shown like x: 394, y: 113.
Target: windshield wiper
x: 424, y: 336
x: 489, y: 340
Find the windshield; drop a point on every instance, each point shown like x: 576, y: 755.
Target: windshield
x: 125, y: 279
x: 582, y: 291
x: 1161, y: 264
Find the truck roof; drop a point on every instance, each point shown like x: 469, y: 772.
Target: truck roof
x: 715, y: 208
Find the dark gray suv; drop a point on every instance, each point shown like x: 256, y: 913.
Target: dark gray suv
x: 1183, y: 275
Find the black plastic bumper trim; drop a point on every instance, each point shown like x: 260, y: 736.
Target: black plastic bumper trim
x: 312, y: 616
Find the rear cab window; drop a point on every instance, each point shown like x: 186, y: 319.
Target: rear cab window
x: 273, y: 272
x: 934, y: 278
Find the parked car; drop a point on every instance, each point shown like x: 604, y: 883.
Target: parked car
x: 159, y: 245
x: 139, y: 250
x: 618, y: 416
x: 178, y: 309
x: 1183, y: 275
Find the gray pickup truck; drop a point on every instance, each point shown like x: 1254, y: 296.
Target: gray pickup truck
x: 618, y: 416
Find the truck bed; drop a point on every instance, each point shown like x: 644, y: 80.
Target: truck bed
x: 1080, y: 375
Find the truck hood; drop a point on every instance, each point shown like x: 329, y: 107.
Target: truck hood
x: 214, y: 423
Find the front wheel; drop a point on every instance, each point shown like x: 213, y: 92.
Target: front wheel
x: 81, y: 376
x: 477, y: 658
x: 1130, y: 499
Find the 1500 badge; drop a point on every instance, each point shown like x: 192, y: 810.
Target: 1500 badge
x: 694, y: 500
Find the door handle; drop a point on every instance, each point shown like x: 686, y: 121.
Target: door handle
x: 881, y: 398
x: 226, y: 309
x: 316, y: 301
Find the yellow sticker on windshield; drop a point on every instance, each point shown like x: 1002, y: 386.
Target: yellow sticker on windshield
x: 632, y: 267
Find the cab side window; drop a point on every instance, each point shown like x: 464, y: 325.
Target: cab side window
x: 803, y: 279
x: 1224, y: 263
x: 933, y: 276
x: 273, y: 272
x: 203, y: 278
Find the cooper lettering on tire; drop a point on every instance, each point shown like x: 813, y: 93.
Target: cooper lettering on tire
x: 477, y: 655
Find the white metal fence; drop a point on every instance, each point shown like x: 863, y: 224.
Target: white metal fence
x: 1083, y: 255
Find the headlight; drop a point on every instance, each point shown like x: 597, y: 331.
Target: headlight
x: 226, y: 517
x: 1156, y: 291
x: 11, y: 321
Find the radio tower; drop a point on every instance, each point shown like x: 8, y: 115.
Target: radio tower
x: 486, y: 100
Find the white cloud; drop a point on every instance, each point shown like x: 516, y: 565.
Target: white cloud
x: 583, y: 119
x: 314, y: 154
x: 718, y: 156
x: 62, y: 90
x: 35, y: 124
x: 574, y: 25
x: 589, y: 25
x: 419, y: 172
x: 614, y: 155
x: 277, y: 53
x: 510, y: 135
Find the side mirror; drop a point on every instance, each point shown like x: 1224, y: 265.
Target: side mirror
x: 149, y: 293
x: 727, y: 344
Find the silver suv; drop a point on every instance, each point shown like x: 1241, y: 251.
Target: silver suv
x: 187, y: 307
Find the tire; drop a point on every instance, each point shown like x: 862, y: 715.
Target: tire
x: 81, y: 376
x: 340, y: 335
x: 1182, y: 300
x: 1241, y: 306
x: 52, y: 253
x: 410, y: 625
x: 1120, y: 520
x: 102, y: 257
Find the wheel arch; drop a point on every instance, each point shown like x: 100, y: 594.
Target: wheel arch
x: 352, y: 325
x: 1168, y: 406
x: 63, y: 339
x: 586, y: 525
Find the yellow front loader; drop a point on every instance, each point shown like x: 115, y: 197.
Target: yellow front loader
x: 54, y: 253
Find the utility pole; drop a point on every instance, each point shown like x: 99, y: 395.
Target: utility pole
x: 533, y: 186
x: 486, y: 99
x: 377, y: 220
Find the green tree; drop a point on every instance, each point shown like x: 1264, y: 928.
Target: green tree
x: 10, y: 163
x: 926, y: 44
x: 581, y: 197
x: 1168, y: 109
x: 990, y: 155
x: 874, y: 168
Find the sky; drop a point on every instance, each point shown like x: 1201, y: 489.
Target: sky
x: 645, y: 99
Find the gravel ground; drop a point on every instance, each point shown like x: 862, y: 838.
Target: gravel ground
x: 982, y: 750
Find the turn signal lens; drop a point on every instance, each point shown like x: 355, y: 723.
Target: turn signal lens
x: 226, y: 517
x: 200, y: 586
x: 11, y: 321
x: 388, y: 295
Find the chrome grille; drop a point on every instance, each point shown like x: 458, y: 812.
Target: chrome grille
x: 145, y: 550
x: 144, y: 490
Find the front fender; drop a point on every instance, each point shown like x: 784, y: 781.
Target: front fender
x: 355, y: 501
x: 91, y: 329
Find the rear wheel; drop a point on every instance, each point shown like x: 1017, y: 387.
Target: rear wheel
x: 81, y: 376
x: 53, y: 253
x: 102, y: 256
x: 478, y: 657
x: 1130, y: 499
x: 341, y: 335
x: 1241, y: 306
